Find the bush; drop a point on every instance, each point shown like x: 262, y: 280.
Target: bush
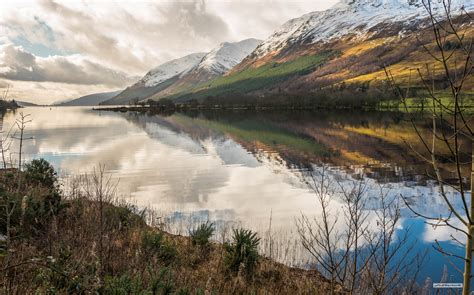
x: 41, y: 172
x: 242, y: 252
x: 35, y: 201
x: 123, y: 285
x: 201, y: 235
x: 123, y: 216
x: 40, y: 208
x: 161, y: 282
x: 154, y: 244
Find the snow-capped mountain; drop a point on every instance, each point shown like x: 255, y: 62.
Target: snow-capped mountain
x: 350, y: 17
x: 347, y: 44
x: 187, y: 72
x: 224, y: 57
x: 170, y: 69
x: 157, y: 79
x: 216, y: 63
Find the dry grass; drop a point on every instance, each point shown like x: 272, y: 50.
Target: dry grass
x: 63, y: 256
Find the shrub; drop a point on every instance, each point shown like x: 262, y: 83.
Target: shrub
x: 41, y: 172
x: 242, y: 252
x: 201, y: 235
x: 35, y: 201
x: 122, y: 285
x: 154, y: 244
x: 161, y: 282
x: 123, y: 216
x: 183, y: 291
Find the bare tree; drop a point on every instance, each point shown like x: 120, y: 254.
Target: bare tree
x: 5, y: 143
x: 450, y: 120
x: 5, y: 93
x: 21, y: 124
x: 365, y: 254
x: 6, y: 139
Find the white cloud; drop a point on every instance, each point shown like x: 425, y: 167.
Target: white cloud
x: 17, y: 64
x: 134, y: 36
x: 49, y: 92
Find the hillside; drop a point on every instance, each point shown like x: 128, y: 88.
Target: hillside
x: 345, y: 46
x: 186, y: 73
x: 90, y: 100
x: 157, y: 79
x: 214, y: 64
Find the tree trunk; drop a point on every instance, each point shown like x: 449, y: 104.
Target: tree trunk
x: 469, y: 249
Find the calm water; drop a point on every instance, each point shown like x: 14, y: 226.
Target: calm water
x: 241, y: 167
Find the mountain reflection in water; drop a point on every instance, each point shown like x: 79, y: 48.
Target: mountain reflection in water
x: 244, y: 167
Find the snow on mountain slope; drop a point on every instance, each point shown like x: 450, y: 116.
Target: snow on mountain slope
x: 216, y: 63
x: 350, y: 17
x: 170, y: 69
x: 224, y: 57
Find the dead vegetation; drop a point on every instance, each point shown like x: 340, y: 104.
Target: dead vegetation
x: 85, y: 241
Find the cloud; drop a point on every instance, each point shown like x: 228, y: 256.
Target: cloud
x: 133, y: 41
x: 75, y: 42
x: 134, y: 36
x: 50, y: 92
x: 17, y: 64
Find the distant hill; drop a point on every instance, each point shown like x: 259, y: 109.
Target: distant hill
x: 26, y: 104
x: 91, y: 99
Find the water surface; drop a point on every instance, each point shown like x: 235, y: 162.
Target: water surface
x: 246, y: 168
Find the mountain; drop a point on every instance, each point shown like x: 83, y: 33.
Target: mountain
x: 26, y: 104
x: 345, y: 47
x: 90, y: 100
x: 157, y: 79
x: 226, y: 56
x: 347, y: 44
x: 170, y: 69
x: 214, y: 64
x: 359, y: 18
x: 183, y: 74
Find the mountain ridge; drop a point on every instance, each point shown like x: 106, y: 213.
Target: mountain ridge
x: 186, y: 72
x: 348, y: 44
x: 90, y: 99
x: 361, y: 39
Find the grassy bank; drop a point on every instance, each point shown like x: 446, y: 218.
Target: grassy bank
x: 423, y: 102
x: 85, y: 241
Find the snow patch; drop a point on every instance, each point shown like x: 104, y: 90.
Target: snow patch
x: 170, y: 69
x: 227, y: 55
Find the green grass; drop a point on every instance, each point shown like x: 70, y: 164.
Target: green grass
x: 252, y: 79
x: 424, y: 100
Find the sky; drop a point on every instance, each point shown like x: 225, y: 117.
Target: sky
x: 52, y: 51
